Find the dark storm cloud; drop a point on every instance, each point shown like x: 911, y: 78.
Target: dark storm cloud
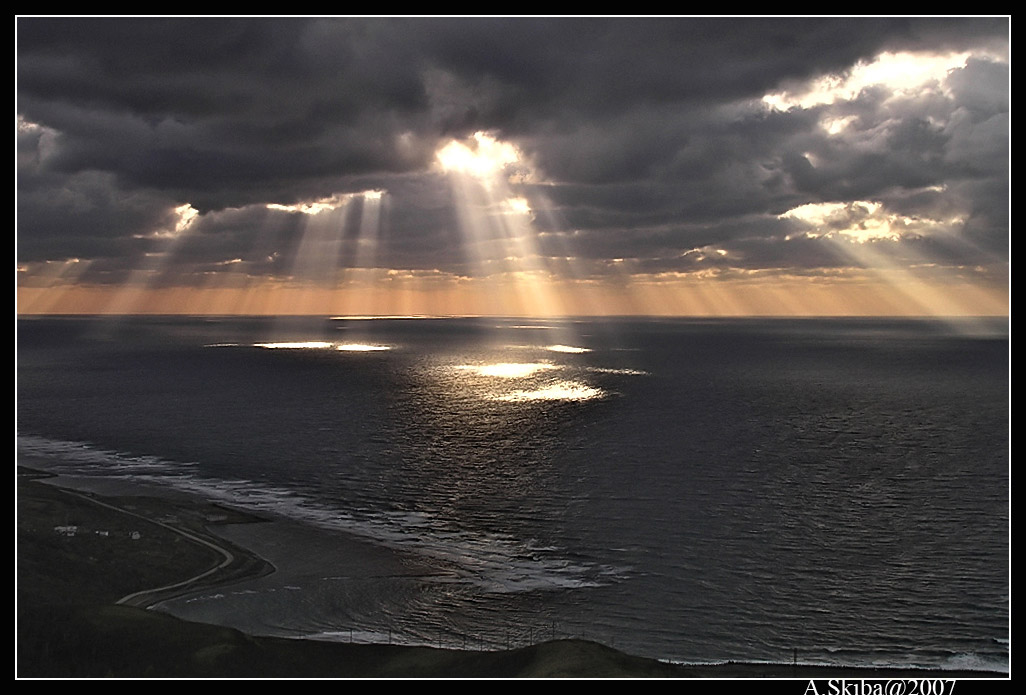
x: 87, y: 216
x: 650, y: 130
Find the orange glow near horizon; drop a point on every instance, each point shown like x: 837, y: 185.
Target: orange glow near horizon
x: 854, y: 293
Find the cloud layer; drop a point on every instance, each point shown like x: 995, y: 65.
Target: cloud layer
x: 645, y: 146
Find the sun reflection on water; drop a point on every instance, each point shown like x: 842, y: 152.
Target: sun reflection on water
x: 567, y: 348
x: 558, y: 391
x: 297, y: 345
x: 361, y: 347
x: 533, y: 379
x: 508, y: 370
x: 322, y: 345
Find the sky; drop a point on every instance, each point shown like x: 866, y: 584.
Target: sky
x: 513, y: 166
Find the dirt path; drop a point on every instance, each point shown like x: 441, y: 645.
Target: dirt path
x: 188, y: 520
x: 148, y: 597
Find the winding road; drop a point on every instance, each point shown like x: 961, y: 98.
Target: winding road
x: 150, y: 597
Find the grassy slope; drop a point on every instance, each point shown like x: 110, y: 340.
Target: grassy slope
x: 75, y: 641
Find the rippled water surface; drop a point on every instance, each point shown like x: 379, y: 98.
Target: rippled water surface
x: 685, y: 489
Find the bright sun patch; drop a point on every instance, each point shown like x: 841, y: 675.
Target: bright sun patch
x: 186, y: 214
x: 862, y: 221
x: 516, y: 206
x: 484, y: 157
x: 314, y: 207
x: 332, y: 202
x: 903, y: 72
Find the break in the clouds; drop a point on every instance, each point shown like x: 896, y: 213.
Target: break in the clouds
x: 657, y: 165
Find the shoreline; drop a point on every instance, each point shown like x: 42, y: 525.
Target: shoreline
x: 72, y: 582
x: 187, y: 517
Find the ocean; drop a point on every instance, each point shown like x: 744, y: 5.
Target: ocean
x: 696, y: 490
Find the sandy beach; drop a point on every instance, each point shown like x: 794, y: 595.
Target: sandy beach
x: 87, y: 565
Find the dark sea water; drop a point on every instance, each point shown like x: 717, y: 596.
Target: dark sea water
x: 694, y: 490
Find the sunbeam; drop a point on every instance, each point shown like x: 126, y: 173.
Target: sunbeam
x: 318, y: 255
x: 131, y: 295
x: 50, y: 284
x: 496, y: 223
x: 892, y: 251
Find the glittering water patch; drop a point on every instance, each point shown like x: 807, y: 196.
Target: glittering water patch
x: 508, y: 370
x: 611, y: 370
x: 558, y: 391
x: 571, y: 349
x: 297, y: 345
x: 322, y: 345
